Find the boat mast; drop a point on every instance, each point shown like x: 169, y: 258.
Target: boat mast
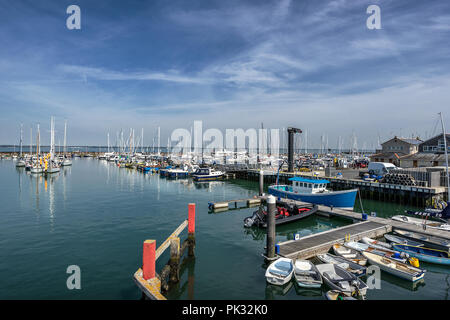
x: 21, y: 132
x: 446, y: 157
x: 31, y: 141
x: 159, y: 138
x: 65, y: 137
x: 37, y: 143
x: 52, y: 138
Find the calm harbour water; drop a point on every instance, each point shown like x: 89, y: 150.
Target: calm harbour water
x: 96, y: 216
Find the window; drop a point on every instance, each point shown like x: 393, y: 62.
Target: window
x: 310, y: 185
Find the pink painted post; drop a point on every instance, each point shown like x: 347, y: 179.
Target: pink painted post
x: 191, y: 229
x: 191, y: 219
x: 148, y: 259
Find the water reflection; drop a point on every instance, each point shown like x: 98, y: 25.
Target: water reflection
x: 42, y: 188
x: 272, y: 291
x: 184, y: 287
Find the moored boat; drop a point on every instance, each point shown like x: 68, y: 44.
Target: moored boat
x: 315, y: 191
x: 425, y: 254
x: 345, y: 264
x: 422, y: 222
x: 337, y: 295
x: 339, y: 279
x: 283, y: 216
x: 207, y: 174
x: 375, y: 243
x: 306, y: 274
x: 280, y: 271
x: 396, y: 268
x: 395, y: 239
x: 363, y: 247
x: 429, y: 241
x: 349, y: 254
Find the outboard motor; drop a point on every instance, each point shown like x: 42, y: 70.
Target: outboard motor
x: 254, y: 220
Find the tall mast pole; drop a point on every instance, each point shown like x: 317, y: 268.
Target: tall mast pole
x: 65, y: 136
x: 31, y: 140
x: 21, y: 133
x: 446, y: 156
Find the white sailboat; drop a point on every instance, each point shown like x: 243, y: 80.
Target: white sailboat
x: 66, y: 161
x: 53, y: 167
x: 36, y: 165
x: 21, y: 162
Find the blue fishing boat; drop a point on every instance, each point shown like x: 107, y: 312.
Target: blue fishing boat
x: 425, y: 254
x: 315, y: 191
x: 207, y: 174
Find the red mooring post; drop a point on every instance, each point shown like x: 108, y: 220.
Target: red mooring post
x: 191, y: 229
x: 191, y: 218
x: 148, y: 259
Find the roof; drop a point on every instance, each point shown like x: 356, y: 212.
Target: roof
x: 425, y: 156
x: 300, y: 179
x: 414, y: 141
x: 387, y: 155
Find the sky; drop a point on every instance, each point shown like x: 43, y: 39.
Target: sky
x: 232, y: 64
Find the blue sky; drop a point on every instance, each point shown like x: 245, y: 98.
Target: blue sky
x: 232, y: 64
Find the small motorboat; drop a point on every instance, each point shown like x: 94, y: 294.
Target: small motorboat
x: 429, y: 241
x: 280, y: 271
x: 376, y: 244
x: 425, y: 254
x: 363, y: 247
x: 396, y: 268
x: 423, y: 222
x: 339, y: 279
x: 283, y: 215
x: 349, y: 254
x: 345, y: 264
x: 337, y: 295
x: 401, y: 240
x: 207, y: 174
x: 306, y: 274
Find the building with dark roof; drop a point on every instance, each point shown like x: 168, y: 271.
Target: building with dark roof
x: 396, y: 148
x: 435, y: 144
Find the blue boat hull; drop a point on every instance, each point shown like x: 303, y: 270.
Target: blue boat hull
x: 422, y: 256
x: 338, y: 199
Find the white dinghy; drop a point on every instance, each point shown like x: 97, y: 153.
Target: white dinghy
x: 280, y: 271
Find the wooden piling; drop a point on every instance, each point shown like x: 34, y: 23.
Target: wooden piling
x: 271, y: 209
x: 261, y: 182
x: 174, y: 275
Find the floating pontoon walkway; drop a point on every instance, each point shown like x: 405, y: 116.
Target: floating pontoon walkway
x: 315, y: 244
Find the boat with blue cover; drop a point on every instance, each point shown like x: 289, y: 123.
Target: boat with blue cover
x: 280, y: 272
x: 315, y: 191
x: 425, y: 254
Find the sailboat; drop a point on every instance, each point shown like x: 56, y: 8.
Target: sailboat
x: 21, y: 162
x: 36, y: 165
x: 442, y: 213
x: 66, y: 161
x: 53, y: 166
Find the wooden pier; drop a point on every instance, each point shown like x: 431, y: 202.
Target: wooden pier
x: 363, y: 226
x: 312, y: 245
x: 149, y: 282
x: 225, y: 205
